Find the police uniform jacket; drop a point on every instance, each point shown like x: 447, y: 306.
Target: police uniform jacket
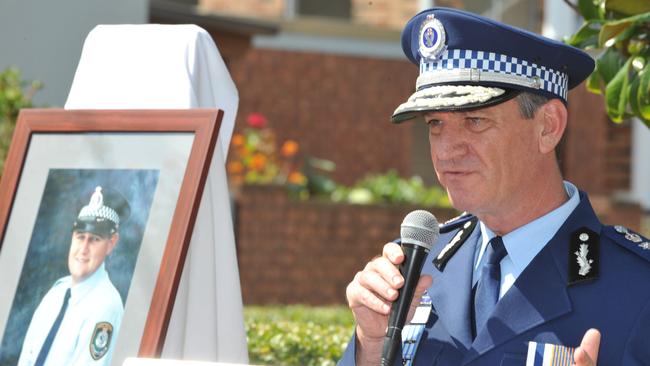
x: 548, y: 303
x: 94, y: 305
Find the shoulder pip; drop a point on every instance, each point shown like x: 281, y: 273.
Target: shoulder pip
x: 629, y: 240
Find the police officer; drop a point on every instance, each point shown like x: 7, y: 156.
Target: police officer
x: 529, y: 276
x: 78, y: 319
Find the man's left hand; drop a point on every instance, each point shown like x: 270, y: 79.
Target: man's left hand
x: 587, y: 353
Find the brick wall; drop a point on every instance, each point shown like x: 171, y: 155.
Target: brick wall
x: 307, y: 252
x: 597, y: 152
x: 246, y: 8
x: 384, y: 13
x: 337, y: 107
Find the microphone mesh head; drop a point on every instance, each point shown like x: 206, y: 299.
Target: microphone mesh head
x: 420, y: 228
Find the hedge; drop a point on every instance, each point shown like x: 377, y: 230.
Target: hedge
x: 297, y: 335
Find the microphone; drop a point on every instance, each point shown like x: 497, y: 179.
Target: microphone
x: 418, y: 232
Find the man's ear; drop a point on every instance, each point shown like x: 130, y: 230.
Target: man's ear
x: 113, y: 242
x: 552, y: 117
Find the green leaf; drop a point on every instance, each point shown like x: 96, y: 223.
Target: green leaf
x: 609, y: 63
x: 594, y: 83
x: 643, y: 95
x: 616, y: 94
x: 633, y: 94
x: 589, y: 9
x: 615, y: 29
x: 628, y: 7
x: 587, y: 36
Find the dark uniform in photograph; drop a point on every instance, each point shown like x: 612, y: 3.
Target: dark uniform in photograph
x: 79, y: 318
x: 524, y: 276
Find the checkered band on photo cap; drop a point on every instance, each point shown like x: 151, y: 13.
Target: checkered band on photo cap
x: 468, y: 61
x: 102, y: 214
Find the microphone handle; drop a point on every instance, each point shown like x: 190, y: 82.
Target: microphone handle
x: 414, y: 257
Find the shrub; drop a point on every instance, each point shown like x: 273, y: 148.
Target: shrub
x: 297, y: 335
x: 391, y: 188
x: 14, y: 95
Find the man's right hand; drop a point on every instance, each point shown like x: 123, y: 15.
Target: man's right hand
x: 370, y: 295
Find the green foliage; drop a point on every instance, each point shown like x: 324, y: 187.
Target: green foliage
x: 297, y: 335
x: 14, y: 95
x: 620, y: 30
x: 391, y: 188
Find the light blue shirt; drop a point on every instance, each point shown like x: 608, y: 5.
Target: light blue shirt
x: 93, y: 301
x: 524, y: 243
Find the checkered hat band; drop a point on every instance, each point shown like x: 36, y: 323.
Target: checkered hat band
x: 104, y: 212
x: 472, y: 66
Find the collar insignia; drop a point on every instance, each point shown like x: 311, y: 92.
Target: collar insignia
x: 450, y: 249
x: 583, y: 256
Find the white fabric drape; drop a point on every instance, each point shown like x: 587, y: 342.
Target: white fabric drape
x: 176, y: 67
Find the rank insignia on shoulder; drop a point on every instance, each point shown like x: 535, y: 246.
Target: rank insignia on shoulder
x: 466, y: 228
x: 101, y: 340
x: 630, y: 240
x: 584, y: 251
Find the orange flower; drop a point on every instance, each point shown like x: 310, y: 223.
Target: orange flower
x: 289, y: 148
x: 258, y: 161
x: 237, y: 139
x: 296, y: 178
x: 235, y: 167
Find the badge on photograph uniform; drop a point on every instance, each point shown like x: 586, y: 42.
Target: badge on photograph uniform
x: 101, y: 340
x: 432, y: 38
x: 545, y: 354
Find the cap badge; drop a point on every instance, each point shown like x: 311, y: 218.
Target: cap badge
x: 432, y: 38
x: 97, y: 199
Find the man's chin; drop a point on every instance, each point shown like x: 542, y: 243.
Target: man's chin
x: 461, y: 201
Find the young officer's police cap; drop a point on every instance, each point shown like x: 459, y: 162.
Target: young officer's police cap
x: 103, y: 212
x: 468, y: 61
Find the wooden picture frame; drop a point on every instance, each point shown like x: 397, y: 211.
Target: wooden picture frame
x: 48, y: 139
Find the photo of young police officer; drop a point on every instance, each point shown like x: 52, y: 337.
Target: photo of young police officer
x: 74, y: 283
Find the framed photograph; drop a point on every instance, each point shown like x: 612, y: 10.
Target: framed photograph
x: 96, y: 214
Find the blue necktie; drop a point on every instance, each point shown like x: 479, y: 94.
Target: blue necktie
x: 487, y: 289
x: 42, y: 355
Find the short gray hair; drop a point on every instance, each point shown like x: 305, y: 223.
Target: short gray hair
x: 529, y: 103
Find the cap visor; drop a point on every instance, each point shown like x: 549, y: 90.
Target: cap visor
x: 445, y: 98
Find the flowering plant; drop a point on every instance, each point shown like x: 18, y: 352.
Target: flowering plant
x: 255, y: 158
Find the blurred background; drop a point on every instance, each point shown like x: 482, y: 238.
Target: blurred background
x: 319, y: 177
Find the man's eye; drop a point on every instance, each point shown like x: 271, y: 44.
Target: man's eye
x: 434, y: 125
x: 476, y: 124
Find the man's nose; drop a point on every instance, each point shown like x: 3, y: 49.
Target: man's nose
x: 84, y: 244
x: 450, y: 144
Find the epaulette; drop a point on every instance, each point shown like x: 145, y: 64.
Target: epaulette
x: 466, y: 227
x: 629, y: 240
x: 455, y: 223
